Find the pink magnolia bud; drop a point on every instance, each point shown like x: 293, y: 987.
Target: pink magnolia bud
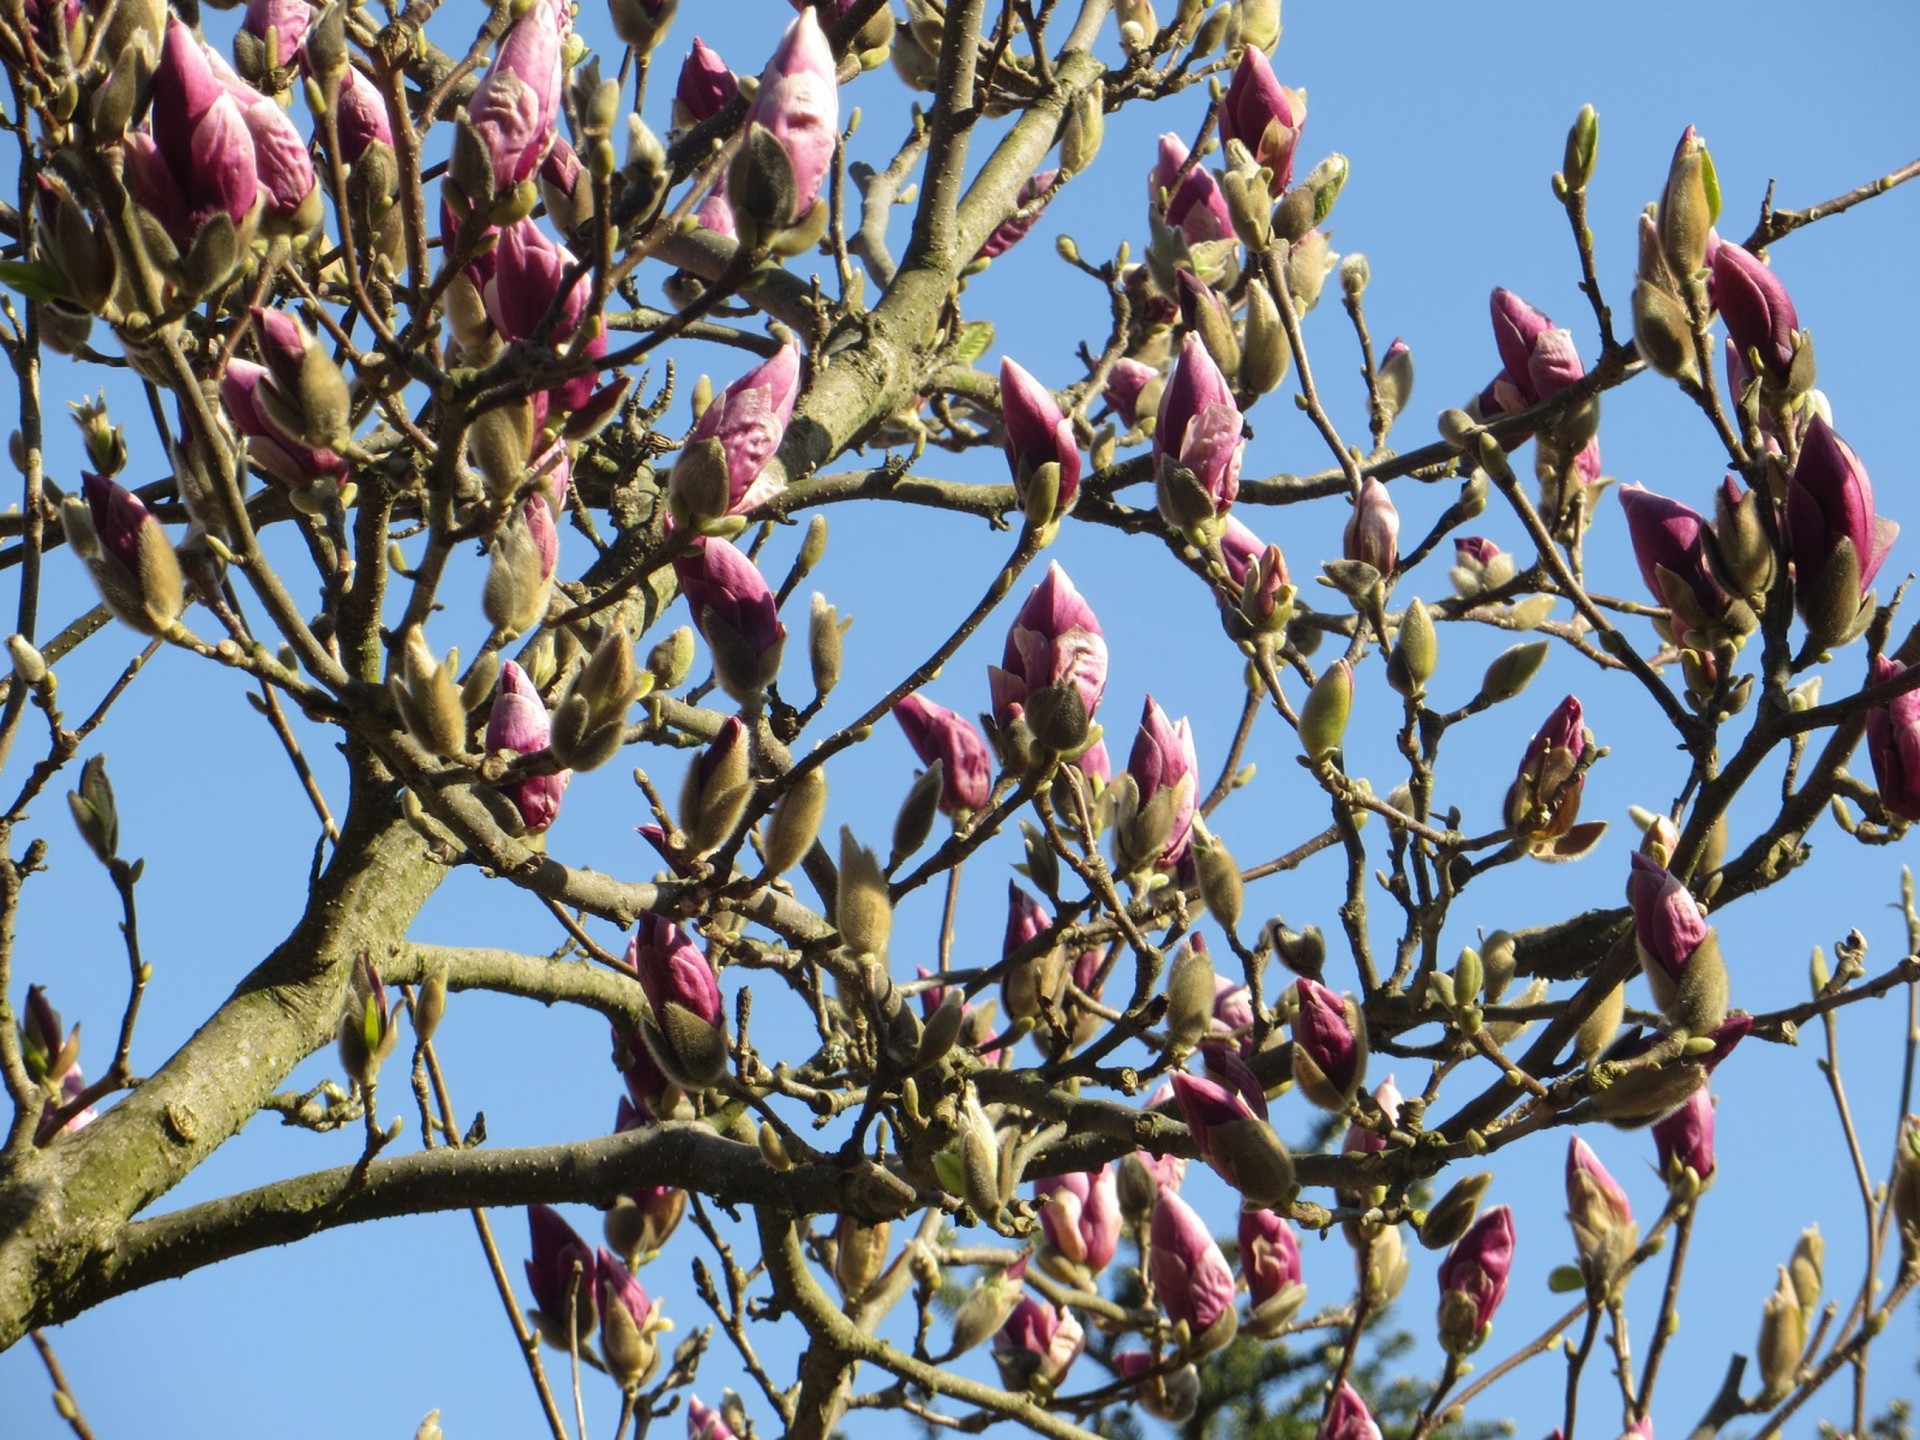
x: 1080, y: 1218
x: 198, y: 160
x: 1163, y: 760
x: 1131, y: 390
x: 1684, y: 1142
x: 716, y: 214
x: 734, y: 608
x: 1832, y: 532
x: 1543, y: 803
x: 1055, y: 639
x: 529, y: 269
x: 1372, y: 535
x: 1269, y: 1254
x: 628, y: 1322
x: 1602, y: 1216
x: 1667, y: 922
x: 1196, y: 439
x: 1230, y: 1129
x: 705, y: 88
x: 269, y: 447
x: 1037, y: 1345
x: 687, y: 1033
x: 1241, y: 549
x: 704, y: 1422
x: 1473, y: 1281
x: 1190, y: 1275
x: 288, y: 186
x: 1263, y: 115
x: 1191, y: 204
x: 1330, y: 1048
x: 650, y: 1088
x: 1538, y: 358
x: 1027, y: 213
x: 515, y: 109
x: 1233, y: 1012
x: 1037, y: 435
x: 798, y: 104
x: 1669, y: 543
x: 1348, y: 1417
x: 937, y: 733
x: 1758, y: 311
x: 128, y: 554
x: 360, y: 117
x: 49, y: 1055
x: 562, y: 1264
x: 1893, y: 744
x: 749, y: 419
x: 518, y: 722
x: 1171, y: 1397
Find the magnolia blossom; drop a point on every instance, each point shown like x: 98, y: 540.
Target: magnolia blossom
x: 939, y: 734
x: 1037, y: 1345
x: 1473, y: 1280
x: 1758, y: 311
x: 1263, y: 115
x: 1055, y: 639
x: 1833, y: 535
x: 1163, y: 762
x: 1036, y: 436
x: 1081, y: 1218
x: 1893, y: 744
x: 1190, y: 203
x: 1191, y: 1276
x: 519, y: 722
x: 562, y: 1265
x: 514, y: 111
x: 748, y: 420
x: 1196, y: 440
x: 798, y: 107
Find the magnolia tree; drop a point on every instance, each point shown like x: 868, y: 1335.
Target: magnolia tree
x: 390, y: 303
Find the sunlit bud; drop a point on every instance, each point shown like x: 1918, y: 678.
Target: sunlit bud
x: 1416, y: 651
x: 1191, y: 1277
x: 1164, y: 769
x: 127, y: 553
x: 513, y: 114
x: 1034, y: 985
x: 747, y: 421
x: 1760, y: 316
x: 304, y: 394
x: 863, y: 911
x: 1678, y: 950
x: 687, y: 1033
x: 717, y: 787
x: 986, y: 1306
x: 1689, y: 206
x: 1190, y: 991
x: 521, y: 559
x: 1783, y: 1337
x: 794, y: 824
x: 1270, y: 1264
x: 368, y: 1025
x: 1309, y: 261
x: 1348, y: 1417
x: 1080, y: 1217
x: 1383, y: 1265
x: 1479, y: 565
x: 939, y: 734
x: 1221, y: 886
x: 671, y: 660
x: 1684, y: 1140
x: 1310, y: 202
x: 1893, y: 743
x: 428, y: 698
x: 1055, y: 641
x: 49, y: 1056
x: 1740, y: 551
x: 629, y: 1319
x: 195, y: 173
x: 1670, y: 543
x: 1191, y: 203
x: 826, y: 644
x: 1836, y: 542
x: 1085, y: 128
x: 1453, y: 1213
x: 1330, y: 1046
x: 1040, y: 447
x: 1323, y: 718
x: 1473, y: 1281
x: 518, y: 723
x: 859, y: 1255
x: 1662, y: 329
x: 986, y: 1178
x: 360, y: 117
x: 1513, y: 670
x: 1197, y: 443
x: 1597, y: 1031
x: 1036, y: 1346
x: 1133, y: 390
x: 790, y: 132
x: 1543, y: 803
x: 734, y: 608
x: 914, y: 822
x: 562, y: 1265
x: 1372, y: 534
x: 1604, y: 1231
x: 705, y: 87
x: 1230, y: 1130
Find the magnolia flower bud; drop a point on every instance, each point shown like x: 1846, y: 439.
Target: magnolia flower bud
x: 1689, y: 206
x: 794, y: 824
x: 368, y: 1026
x: 863, y: 910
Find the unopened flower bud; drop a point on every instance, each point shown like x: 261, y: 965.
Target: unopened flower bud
x: 795, y: 822
x: 863, y: 911
x: 1323, y: 718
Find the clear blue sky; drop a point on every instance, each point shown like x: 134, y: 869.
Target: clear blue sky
x: 1453, y: 118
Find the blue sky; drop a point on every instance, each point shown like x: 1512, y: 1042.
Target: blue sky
x: 1453, y: 119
